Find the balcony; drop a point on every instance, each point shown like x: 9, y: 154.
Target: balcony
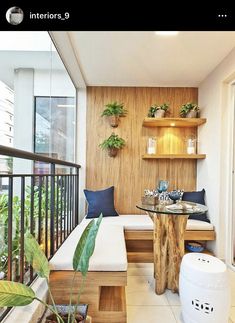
x: 44, y: 204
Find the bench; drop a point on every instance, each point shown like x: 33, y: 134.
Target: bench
x: 139, y: 235
x: 107, y: 277
x: 138, y: 231
x: 119, y: 238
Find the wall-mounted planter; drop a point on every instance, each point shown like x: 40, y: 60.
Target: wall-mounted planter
x: 113, y: 111
x: 114, y: 121
x: 112, y: 152
x: 112, y: 144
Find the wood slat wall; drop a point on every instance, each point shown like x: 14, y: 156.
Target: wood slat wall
x: 128, y: 172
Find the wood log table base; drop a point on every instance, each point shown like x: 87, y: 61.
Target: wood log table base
x: 168, y: 246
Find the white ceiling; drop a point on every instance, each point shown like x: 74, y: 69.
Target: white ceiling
x: 147, y: 59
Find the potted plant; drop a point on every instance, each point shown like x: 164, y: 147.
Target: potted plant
x: 189, y: 110
x: 158, y: 111
x: 113, y: 143
x: 17, y: 294
x: 113, y: 111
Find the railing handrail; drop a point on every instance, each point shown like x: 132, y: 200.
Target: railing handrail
x: 18, y: 153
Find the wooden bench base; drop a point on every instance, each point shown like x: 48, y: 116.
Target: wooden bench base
x: 139, y: 244
x: 104, y: 292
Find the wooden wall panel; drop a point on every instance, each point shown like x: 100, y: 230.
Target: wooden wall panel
x: 128, y: 172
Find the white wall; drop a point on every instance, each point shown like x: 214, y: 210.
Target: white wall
x: 23, y: 117
x: 81, y: 147
x: 214, y: 139
x: 57, y: 83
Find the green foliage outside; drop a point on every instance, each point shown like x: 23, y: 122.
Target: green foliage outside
x: 16, y: 216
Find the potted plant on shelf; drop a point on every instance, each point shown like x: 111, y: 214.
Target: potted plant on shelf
x: 113, y: 111
x: 112, y: 144
x: 17, y: 294
x: 189, y: 110
x: 158, y: 111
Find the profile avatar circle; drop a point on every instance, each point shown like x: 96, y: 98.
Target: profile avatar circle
x: 14, y: 15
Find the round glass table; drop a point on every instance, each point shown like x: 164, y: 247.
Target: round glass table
x: 170, y: 222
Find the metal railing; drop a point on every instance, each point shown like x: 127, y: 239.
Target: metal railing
x: 44, y: 204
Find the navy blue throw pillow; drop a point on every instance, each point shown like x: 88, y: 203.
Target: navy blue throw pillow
x: 100, y: 202
x: 196, y: 197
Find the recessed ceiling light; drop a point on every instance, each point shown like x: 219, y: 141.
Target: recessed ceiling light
x: 166, y: 33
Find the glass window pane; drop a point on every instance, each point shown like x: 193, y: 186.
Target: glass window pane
x: 55, y: 127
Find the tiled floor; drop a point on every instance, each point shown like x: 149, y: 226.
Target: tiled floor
x: 144, y: 306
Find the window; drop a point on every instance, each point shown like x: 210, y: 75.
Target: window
x: 55, y: 127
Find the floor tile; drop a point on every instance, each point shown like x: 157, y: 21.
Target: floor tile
x: 145, y: 298
x: 177, y: 313
x: 150, y: 314
x: 139, y: 283
x: 173, y: 298
x: 232, y: 314
x: 232, y: 285
x: 140, y: 269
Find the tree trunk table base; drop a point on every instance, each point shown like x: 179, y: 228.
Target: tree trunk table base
x: 168, y: 249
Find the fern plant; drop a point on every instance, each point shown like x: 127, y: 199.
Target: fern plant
x: 114, y: 108
x: 113, y: 141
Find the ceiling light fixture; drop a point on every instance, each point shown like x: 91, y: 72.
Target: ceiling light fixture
x: 166, y: 33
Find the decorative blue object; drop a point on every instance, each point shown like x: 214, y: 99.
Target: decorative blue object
x: 194, y: 247
x: 174, y: 195
x: 100, y: 202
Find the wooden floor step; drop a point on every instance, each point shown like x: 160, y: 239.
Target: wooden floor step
x: 140, y: 256
x: 112, y: 298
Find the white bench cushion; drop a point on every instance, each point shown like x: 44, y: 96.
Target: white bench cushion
x: 109, y: 253
x: 129, y: 221
x: 199, y: 225
x: 143, y: 222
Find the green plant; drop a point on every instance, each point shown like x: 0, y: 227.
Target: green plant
x: 16, y: 215
x: 113, y: 141
x: 155, y: 107
x: 185, y: 108
x: 17, y: 294
x: 114, y: 108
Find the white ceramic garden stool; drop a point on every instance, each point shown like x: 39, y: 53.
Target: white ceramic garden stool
x: 204, y: 289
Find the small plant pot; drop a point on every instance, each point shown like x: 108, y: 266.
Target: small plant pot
x: 159, y: 113
x: 114, y: 121
x: 112, y: 152
x: 63, y: 311
x: 191, y: 114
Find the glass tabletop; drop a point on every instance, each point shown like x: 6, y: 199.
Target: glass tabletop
x: 182, y: 207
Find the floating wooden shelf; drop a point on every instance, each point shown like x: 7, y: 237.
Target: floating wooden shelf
x: 174, y: 156
x: 173, y: 122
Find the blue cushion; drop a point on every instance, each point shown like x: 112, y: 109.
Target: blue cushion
x: 196, y: 197
x: 100, y: 202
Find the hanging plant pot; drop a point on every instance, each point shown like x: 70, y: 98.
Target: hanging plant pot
x: 191, y: 114
x: 159, y: 113
x: 113, y: 120
x: 112, y: 152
